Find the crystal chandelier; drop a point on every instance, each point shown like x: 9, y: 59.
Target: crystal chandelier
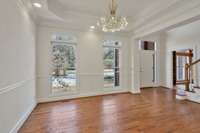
x: 113, y: 22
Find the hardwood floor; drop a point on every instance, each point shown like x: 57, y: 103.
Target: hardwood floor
x: 154, y: 111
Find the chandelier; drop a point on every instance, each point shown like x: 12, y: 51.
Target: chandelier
x: 113, y: 22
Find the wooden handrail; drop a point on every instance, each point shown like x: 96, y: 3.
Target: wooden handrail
x: 182, y: 81
x: 187, y: 70
x: 183, y: 54
x: 193, y: 63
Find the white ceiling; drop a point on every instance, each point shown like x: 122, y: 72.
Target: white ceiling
x: 99, y: 7
x: 191, y: 30
x: 83, y: 13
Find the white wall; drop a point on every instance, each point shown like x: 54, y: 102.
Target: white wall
x: 17, y: 67
x: 89, y: 63
x: 184, y: 37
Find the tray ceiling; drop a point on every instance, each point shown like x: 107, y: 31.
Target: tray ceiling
x: 84, y: 13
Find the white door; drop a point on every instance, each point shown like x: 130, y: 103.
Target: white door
x: 147, y: 74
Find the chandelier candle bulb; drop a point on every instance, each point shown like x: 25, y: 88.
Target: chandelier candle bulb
x: 38, y: 5
x: 92, y: 27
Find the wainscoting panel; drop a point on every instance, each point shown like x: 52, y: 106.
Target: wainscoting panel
x: 17, y: 102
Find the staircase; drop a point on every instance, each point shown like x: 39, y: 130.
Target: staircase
x: 190, y: 92
x: 194, y: 95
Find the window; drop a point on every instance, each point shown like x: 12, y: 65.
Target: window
x: 64, y: 65
x: 111, y: 60
x: 181, y: 61
x: 147, y: 45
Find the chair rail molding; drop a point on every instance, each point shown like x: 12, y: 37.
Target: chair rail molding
x: 15, y: 85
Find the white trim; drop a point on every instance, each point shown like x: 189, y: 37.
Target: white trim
x: 179, y: 14
x: 97, y: 93
x: 14, y: 86
x: 80, y: 74
x: 135, y: 91
x: 63, y: 43
x: 148, y: 15
x: 21, y: 121
x: 64, y: 93
x: 64, y: 26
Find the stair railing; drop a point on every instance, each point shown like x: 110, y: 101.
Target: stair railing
x: 188, y: 74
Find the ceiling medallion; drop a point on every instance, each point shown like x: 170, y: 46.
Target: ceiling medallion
x: 113, y: 22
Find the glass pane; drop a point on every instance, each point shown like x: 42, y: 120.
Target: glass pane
x: 109, y: 77
x: 63, y: 57
x: 117, y: 77
x: 109, y: 58
x: 68, y: 80
x: 111, y: 67
x: 181, y: 61
x: 180, y: 73
x: 64, y: 72
x: 147, y: 45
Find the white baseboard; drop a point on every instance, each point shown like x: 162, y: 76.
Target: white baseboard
x: 57, y: 98
x: 21, y: 121
x: 135, y: 91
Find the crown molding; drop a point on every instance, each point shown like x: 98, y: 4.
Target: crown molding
x: 179, y: 13
x: 27, y: 6
x: 151, y: 14
x: 16, y: 85
x: 65, y: 26
x: 57, y: 8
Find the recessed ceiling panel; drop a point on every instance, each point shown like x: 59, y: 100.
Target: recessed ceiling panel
x: 100, y: 7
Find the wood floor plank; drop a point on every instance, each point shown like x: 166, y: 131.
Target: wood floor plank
x: 154, y: 111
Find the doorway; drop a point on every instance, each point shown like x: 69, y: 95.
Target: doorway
x: 147, y: 64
